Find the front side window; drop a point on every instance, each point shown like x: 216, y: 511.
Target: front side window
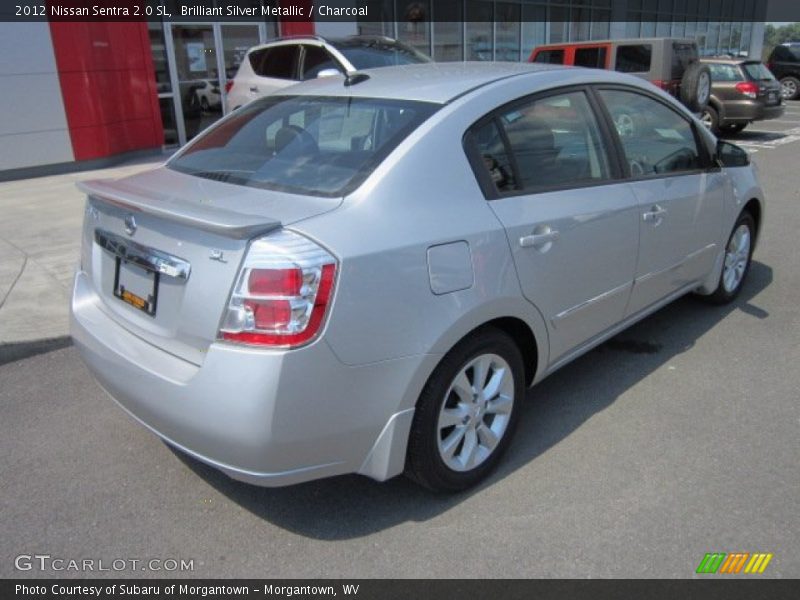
x: 550, y: 57
x: 656, y: 139
x: 315, y: 60
x: 552, y: 141
x: 324, y: 146
x: 634, y: 58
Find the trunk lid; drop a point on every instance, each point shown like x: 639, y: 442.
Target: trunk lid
x: 163, y: 248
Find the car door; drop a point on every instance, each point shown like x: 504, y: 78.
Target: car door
x: 275, y: 68
x: 572, y: 225
x: 679, y: 192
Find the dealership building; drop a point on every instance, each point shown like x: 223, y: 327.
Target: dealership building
x: 78, y: 95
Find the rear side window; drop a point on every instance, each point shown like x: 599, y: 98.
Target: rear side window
x: 552, y: 142
x: 634, y: 58
x: 757, y: 71
x: 682, y: 56
x: 323, y: 146
x: 594, y: 58
x: 721, y: 72
x: 656, y: 139
x: 550, y: 57
x: 279, y: 62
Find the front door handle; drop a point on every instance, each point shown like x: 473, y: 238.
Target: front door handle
x: 654, y: 215
x: 539, y: 240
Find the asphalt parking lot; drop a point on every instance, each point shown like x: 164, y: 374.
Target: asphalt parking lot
x: 679, y: 437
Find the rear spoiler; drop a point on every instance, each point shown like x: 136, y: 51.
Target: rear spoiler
x: 216, y: 220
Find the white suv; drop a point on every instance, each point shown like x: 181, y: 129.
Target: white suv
x: 284, y: 62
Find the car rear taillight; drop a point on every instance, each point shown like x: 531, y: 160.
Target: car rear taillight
x: 282, y: 292
x: 748, y: 88
x: 228, y: 86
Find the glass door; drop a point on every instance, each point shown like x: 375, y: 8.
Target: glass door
x: 198, y: 84
x: 236, y: 41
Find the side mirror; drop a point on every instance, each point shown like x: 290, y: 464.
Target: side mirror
x: 731, y: 155
x: 328, y: 73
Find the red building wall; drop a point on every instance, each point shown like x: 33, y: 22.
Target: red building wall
x: 108, y: 87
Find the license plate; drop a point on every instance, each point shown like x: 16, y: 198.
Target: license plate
x: 773, y: 97
x: 136, y: 286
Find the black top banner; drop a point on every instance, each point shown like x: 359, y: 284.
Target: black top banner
x: 183, y: 11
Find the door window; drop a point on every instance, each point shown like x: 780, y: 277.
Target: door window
x: 594, y: 58
x: 553, y: 142
x: 278, y: 62
x: 316, y: 59
x: 656, y: 139
x: 552, y: 57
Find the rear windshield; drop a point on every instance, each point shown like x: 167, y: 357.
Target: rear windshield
x: 682, y: 56
x: 758, y: 71
x: 322, y: 146
x: 371, y: 55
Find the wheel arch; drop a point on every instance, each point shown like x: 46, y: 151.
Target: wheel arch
x: 753, y: 206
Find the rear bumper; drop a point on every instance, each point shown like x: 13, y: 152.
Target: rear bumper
x: 265, y: 417
x: 745, y: 111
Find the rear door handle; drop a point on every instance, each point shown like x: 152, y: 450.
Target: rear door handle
x: 537, y: 240
x: 253, y: 88
x: 655, y: 214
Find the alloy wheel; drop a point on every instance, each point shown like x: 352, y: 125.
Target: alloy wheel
x: 737, y: 255
x: 475, y: 413
x: 788, y: 89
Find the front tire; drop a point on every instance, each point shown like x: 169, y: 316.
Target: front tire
x: 738, y: 255
x: 467, y: 413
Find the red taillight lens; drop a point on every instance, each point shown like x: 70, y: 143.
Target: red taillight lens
x: 282, y: 293
x: 272, y: 282
x: 228, y: 86
x: 748, y: 88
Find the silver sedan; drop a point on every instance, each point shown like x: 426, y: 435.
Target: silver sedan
x: 364, y: 274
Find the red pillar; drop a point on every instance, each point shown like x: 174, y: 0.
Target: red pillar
x: 108, y: 87
x: 295, y: 25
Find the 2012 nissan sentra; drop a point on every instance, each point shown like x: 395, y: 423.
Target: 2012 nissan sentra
x: 364, y: 274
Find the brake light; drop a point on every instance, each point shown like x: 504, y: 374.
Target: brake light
x: 282, y: 292
x: 228, y: 86
x: 748, y: 88
x: 664, y: 85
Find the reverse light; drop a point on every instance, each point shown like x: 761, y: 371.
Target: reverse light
x: 748, y: 88
x: 282, y: 292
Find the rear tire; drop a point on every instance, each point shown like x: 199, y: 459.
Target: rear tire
x: 738, y: 255
x: 790, y: 88
x: 710, y: 118
x: 696, y: 87
x: 467, y: 413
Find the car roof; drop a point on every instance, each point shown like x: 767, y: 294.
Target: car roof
x: 427, y: 82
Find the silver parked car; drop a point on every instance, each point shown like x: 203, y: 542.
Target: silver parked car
x: 365, y: 275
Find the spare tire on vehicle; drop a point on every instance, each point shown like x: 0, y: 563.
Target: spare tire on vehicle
x: 696, y: 86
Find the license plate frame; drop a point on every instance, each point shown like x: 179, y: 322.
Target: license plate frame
x: 146, y: 305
